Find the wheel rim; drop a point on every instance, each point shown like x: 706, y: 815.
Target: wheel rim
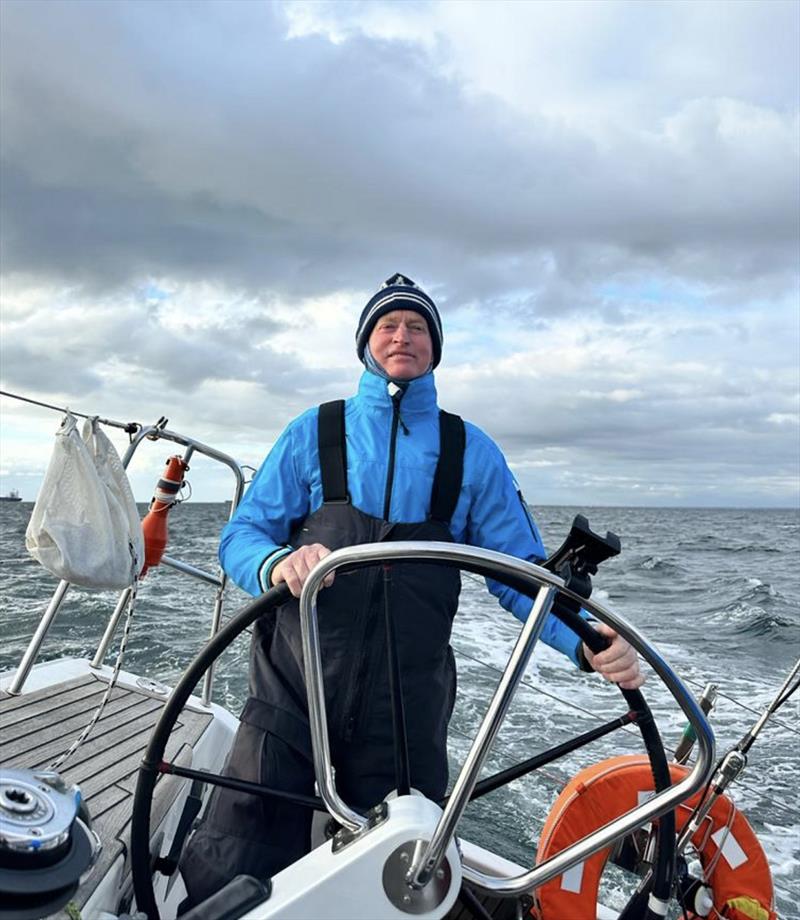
x: 659, y: 882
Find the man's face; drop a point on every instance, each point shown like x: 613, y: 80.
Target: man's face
x: 401, y: 344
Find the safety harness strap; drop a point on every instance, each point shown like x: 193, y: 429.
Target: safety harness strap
x: 450, y: 468
x: 332, y: 452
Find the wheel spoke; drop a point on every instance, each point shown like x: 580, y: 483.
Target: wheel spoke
x: 546, y: 757
x: 242, y: 785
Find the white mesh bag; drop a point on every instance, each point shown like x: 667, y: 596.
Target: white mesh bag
x: 85, y: 526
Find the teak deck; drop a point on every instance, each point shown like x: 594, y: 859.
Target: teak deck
x: 36, y: 728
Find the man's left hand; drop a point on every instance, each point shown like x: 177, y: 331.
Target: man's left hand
x: 619, y: 663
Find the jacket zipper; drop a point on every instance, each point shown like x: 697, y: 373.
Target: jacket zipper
x: 396, y: 420
x: 355, y: 706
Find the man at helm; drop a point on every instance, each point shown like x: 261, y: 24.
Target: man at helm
x: 385, y: 465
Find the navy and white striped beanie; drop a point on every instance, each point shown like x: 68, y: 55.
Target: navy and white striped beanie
x: 399, y: 293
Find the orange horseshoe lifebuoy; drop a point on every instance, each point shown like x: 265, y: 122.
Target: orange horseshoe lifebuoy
x: 739, y: 876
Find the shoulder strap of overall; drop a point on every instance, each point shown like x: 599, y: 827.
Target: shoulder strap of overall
x: 450, y: 468
x: 332, y: 451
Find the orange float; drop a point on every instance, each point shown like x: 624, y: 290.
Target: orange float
x: 734, y: 864
x: 154, y: 525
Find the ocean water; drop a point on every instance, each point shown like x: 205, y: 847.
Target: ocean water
x: 716, y: 591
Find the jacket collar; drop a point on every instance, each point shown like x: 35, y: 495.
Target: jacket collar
x: 420, y: 395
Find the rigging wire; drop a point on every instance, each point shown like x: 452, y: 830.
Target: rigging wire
x: 526, y: 682
x: 784, y: 694
x: 631, y: 733
x: 511, y: 758
x: 783, y: 697
x: 628, y: 730
x: 750, y: 709
x: 787, y: 689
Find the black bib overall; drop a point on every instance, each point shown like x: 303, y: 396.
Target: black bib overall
x: 244, y: 834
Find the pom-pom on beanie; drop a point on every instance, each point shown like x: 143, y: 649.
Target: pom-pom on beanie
x: 399, y: 293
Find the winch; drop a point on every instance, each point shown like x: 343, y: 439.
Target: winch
x: 46, y: 843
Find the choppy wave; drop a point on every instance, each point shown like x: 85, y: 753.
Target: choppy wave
x: 658, y: 565
x: 756, y: 622
x: 715, y: 544
x: 758, y: 588
x: 751, y: 607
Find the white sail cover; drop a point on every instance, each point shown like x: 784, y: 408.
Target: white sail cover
x: 85, y: 526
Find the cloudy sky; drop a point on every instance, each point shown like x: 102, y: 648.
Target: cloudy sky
x: 198, y: 198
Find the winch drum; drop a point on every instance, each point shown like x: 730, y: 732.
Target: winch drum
x: 46, y: 843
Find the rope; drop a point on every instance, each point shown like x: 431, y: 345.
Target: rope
x: 117, y: 667
x: 169, y: 499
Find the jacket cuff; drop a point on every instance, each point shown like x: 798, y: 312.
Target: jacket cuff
x: 266, y: 567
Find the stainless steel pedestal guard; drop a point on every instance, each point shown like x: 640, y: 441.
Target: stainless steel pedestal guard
x: 495, y: 564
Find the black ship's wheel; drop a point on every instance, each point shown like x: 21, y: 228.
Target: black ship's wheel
x: 658, y: 882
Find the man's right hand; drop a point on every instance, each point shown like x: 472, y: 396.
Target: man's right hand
x: 294, y: 568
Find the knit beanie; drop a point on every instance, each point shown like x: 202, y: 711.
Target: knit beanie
x: 399, y: 293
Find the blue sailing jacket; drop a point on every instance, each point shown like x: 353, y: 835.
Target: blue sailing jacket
x: 490, y: 511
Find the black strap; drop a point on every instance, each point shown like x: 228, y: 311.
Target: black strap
x: 450, y: 468
x: 332, y: 451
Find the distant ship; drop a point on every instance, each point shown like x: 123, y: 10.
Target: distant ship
x: 13, y: 496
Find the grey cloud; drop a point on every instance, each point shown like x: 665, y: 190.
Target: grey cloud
x: 36, y: 371
x: 102, y: 238
x: 193, y: 142
x: 64, y: 350
x: 196, y: 141
x: 647, y: 411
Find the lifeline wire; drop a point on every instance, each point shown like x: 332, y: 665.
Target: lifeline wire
x: 126, y: 426
x: 531, y: 686
x: 499, y: 749
x: 630, y: 733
